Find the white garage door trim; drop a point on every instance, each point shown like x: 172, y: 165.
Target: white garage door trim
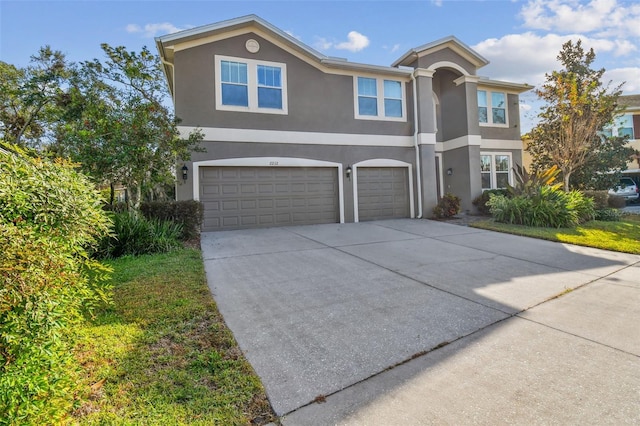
x: 269, y: 162
x: 380, y: 162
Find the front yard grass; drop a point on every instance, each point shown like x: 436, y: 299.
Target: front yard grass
x: 162, y: 354
x: 622, y: 236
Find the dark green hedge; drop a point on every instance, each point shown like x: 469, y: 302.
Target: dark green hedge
x: 189, y: 214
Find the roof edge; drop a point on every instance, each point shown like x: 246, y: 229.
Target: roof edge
x: 480, y: 60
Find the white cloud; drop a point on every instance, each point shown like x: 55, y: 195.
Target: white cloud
x: 293, y: 35
x: 152, y: 30
x: 630, y: 76
x: 603, y: 17
x: 355, y: 43
x: 527, y: 57
x: 437, y: 3
x: 392, y: 49
x: 322, y: 43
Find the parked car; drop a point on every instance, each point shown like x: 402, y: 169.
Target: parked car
x: 627, y: 189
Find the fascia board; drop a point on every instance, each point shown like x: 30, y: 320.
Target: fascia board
x: 506, y: 85
x: 451, y: 42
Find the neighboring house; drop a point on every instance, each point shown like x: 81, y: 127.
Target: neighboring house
x: 296, y: 137
x: 629, y: 124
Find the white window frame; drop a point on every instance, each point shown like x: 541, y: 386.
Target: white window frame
x: 490, y: 122
x: 252, y: 80
x: 380, y: 99
x: 619, y: 121
x: 493, y: 178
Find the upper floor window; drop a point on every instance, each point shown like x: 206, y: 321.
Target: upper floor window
x: 494, y: 170
x: 625, y: 126
x: 379, y: 99
x: 492, y: 108
x: 622, y: 126
x: 250, y: 85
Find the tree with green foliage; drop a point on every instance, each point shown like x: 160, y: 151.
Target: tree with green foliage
x: 50, y: 216
x: 30, y: 97
x: 577, y: 107
x: 119, y: 126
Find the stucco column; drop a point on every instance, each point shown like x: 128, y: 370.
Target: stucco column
x: 426, y: 106
x: 429, y: 180
x: 426, y: 139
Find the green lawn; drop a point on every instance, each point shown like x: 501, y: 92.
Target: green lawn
x: 161, y: 354
x: 622, y: 236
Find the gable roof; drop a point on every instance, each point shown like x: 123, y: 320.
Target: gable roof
x: 630, y: 102
x: 447, y: 42
x: 166, y: 43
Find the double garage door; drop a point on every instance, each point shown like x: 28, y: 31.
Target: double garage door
x: 253, y: 197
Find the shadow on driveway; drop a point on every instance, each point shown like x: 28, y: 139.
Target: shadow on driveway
x: 326, y: 311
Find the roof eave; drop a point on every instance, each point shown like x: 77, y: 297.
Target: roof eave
x: 469, y: 54
x: 198, y: 32
x: 513, y: 87
x: 333, y: 63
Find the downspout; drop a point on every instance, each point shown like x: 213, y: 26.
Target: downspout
x: 173, y: 98
x: 173, y: 78
x: 416, y: 145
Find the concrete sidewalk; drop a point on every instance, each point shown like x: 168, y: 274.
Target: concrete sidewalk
x: 422, y: 322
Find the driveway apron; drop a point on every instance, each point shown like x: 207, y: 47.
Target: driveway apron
x: 371, y: 316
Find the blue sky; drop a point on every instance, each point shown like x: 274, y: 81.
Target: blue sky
x: 521, y: 38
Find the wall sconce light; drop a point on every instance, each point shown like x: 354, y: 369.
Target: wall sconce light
x: 348, y: 172
x: 185, y: 172
x: 449, y: 171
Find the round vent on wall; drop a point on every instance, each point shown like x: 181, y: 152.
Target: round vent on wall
x: 252, y: 46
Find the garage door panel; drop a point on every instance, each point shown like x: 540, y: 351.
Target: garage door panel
x: 383, y: 193
x: 229, y: 205
x: 248, y: 204
x: 263, y: 196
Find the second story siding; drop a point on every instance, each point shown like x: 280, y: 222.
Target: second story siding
x: 316, y: 100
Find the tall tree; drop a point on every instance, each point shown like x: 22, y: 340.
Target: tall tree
x: 120, y: 128
x: 29, y: 97
x: 577, y: 107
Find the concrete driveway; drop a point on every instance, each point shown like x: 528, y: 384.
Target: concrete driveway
x: 423, y: 322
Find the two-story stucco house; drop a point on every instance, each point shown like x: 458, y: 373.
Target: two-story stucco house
x: 296, y: 137
x: 629, y: 124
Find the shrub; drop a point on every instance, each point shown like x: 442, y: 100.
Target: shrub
x: 187, y: 213
x: 608, y: 214
x: 616, y: 201
x: 599, y: 198
x: 582, y: 205
x: 117, y: 207
x: 550, y: 207
x: 133, y: 234
x: 481, y: 200
x: 530, y: 183
x: 49, y: 216
x: 448, y: 206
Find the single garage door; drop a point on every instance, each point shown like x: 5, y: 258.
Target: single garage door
x: 253, y: 197
x: 383, y: 193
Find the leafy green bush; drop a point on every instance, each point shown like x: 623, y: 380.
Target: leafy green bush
x: 550, y: 207
x: 133, y: 234
x: 448, y: 206
x: 616, y: 201
x: 582, y: 205
x: 481, y: 200
x: 608, y: 214
x: 187, y: 213
x: 49, y: 216
x: 599, y: 198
